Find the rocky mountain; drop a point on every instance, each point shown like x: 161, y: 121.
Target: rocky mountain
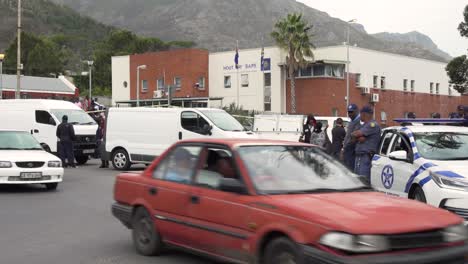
x: 413, y: 37
x: 217, y: 24
x: 47, y: 18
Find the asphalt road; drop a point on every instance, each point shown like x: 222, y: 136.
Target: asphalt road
x: 71, y: 225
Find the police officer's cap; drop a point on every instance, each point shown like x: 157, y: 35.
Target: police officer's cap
x: 461, y: 108
x: 65, y: 118
x: 367, y: 109
x: 353, y: 108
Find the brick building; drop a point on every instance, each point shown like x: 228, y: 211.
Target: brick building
x: 38, y: 87
x: 185, y: 70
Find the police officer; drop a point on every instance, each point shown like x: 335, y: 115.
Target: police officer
x: 348, y: 151
x: 66, y: 135
x: 367, y: 138
x: 460, y: 112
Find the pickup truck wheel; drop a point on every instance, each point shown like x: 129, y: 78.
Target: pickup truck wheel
x: 121, y: 160
x: 419, y: 195
x: 282, y: 251
x: 51, y: 186
x: 146, y: 238
x: 81, y: 160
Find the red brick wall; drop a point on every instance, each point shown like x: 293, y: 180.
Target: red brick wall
x: 320, y: 95
x: 188, y: 64
x: 34, y: 95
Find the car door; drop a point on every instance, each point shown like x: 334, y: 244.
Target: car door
x: 193, y: 125
x: 398, y: 172
x: 219, y: 219
x: 45, y: 129
x: 381, y: 160
x: 168, y: 192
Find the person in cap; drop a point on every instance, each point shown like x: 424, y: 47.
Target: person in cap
x: 308, y: 128
x: 460, y: 111
x: 349, y: 147
x: 181, y: 169
x: 66, y: 134
x: 367, y: 138
x: 338, y: 136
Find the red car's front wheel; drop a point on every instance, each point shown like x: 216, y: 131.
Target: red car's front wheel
x: 282, y: 251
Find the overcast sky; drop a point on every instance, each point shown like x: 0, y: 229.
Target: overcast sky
x: 439, y: 19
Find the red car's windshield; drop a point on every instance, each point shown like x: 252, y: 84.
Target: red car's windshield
x: 296, y: 169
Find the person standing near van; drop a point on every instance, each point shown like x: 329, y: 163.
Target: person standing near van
x: 66, y: 135
x: 349, y: 147
x: 308, y: 129
x: 99, y: 140
x: 338, y: 136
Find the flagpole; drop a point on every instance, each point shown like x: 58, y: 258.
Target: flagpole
x: 238, y: 84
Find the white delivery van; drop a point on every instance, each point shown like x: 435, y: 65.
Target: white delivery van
x: 138, y: 135
x: 289, y: 127
x: 41, y: 118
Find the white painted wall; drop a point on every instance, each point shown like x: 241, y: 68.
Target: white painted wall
x: 222, y: 64
x: 120, y: 74
x: 394, y: 67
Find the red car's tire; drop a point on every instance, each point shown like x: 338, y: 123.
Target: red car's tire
x: 282, y: 250
x: 146, y: 238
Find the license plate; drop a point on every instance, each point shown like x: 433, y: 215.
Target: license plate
x: 31, y: 175
x: 88, y: 151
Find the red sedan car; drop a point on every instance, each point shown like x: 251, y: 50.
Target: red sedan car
x: 252, y: 201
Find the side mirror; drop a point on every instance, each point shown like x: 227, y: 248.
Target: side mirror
x: 400, y: 155
x: 207, y: 130
x: 232, y: 186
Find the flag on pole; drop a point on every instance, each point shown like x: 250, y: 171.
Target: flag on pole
x: 236, y: 58
x: 262, y: 58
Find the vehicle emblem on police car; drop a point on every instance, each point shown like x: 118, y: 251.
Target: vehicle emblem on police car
x: 388, y: 177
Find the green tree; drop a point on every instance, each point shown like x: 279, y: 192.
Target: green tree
x: 457, y: 71
x: 292, y: 35
x: 463, y: 27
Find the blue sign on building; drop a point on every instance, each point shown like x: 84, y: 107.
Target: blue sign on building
x: 266, y: 64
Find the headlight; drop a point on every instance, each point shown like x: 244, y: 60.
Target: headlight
x: 5, y: 164
x: 54, y: 164
x: 455, y: 233
x: 355, y: 243
x: 450, y: 183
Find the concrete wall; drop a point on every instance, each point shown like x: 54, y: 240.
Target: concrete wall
x: 120, y: 76
x: 251, y: 97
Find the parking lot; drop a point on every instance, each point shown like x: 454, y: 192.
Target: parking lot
x: 72, y: 225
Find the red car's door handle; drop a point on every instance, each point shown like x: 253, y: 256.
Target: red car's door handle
x: 195, y: 199
x: 153, y: 191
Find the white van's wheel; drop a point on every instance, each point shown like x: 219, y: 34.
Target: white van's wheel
x: 120, y: 160
x: 81, y: 160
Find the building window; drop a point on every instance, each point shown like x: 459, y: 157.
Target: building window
x: 267, y: 78
x: 450, y: 89
x: 405, y: 85
x: 382, y: 82
x: 375, y: 81
x: 437, y: 88
x: 413, y: 84
x: 161, y: 84
x: 383, y: 116
x: 431, y: 88
x: 306, y: 72
x: 144, y: 86
x: 178, y: 83
x: 245, y: 80
x: 227, y: 81
x: 358, y: 80
x: 319, y: 70
x: 201, y: 83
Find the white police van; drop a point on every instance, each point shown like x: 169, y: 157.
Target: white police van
x: 428, y: 163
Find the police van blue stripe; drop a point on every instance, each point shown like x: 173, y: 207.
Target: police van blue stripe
x: 425, y: 180
x: 376, y: 157
x: 449, y: 174
x: 418, y: 172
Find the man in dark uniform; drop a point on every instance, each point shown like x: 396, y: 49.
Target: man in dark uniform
x: 308, y: 128
x: 349, y: 147
x: 66, y: 135
x: 460, y: 112
x: 367, y: 138
x: 338, y: 135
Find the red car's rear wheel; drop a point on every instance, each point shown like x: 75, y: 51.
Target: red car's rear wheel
x: 146, y: 238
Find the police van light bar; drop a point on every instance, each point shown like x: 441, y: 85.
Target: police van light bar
x: 431, y: 120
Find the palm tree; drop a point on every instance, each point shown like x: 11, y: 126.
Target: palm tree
x: 292, y: 35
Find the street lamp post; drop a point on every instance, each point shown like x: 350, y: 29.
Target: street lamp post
x: 348, y: 62
x: 90, y: 65
x: 18, y: 55
x: 2, y: 56
x: 140, y: 67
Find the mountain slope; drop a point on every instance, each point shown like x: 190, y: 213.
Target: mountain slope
x: 217, y: 24
x: 47, y: 18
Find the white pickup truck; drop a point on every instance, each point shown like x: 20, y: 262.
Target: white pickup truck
x: 288, y: 127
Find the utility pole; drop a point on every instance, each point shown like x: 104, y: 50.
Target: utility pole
x: 2, y: 56
x: 90, y: 64
x: 347, y: 63
x: 18, y: 56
